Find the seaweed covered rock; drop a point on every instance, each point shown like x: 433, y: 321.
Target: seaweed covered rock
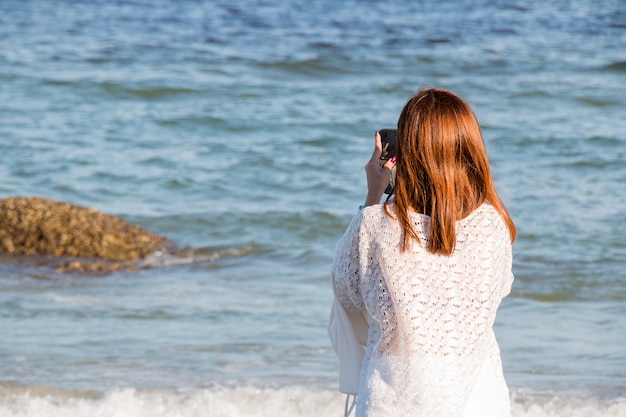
x: 37, y: 226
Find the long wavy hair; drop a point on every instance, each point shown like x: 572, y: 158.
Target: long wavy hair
x: 442, y: 168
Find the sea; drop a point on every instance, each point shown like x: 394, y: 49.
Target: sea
x: 240, y: 129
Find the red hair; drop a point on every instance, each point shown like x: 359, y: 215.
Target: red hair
x: 442, y: 169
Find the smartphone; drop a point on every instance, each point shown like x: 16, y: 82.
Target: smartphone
x: 388, y: 139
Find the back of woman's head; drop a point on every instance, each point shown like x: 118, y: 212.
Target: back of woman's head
x: 442, y: 167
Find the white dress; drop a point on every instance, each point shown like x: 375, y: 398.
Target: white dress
x: 431, y: 350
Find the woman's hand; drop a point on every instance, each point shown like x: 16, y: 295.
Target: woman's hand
x: 378, y: 177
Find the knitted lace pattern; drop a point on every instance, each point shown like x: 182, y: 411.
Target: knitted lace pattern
x: 431, y: 349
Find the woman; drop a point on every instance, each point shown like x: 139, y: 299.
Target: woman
x: 428, y: 269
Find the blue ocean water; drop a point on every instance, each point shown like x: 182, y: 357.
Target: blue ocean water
x: 244, y: 127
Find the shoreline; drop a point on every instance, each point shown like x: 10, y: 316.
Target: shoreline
x: 293, y: 401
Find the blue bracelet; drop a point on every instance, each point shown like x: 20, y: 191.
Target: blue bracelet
x: 361, y: 207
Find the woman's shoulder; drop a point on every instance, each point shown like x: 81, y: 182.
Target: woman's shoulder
x: 372, y: 212
x: 485, y: 219
x: 378, y: 214
x: 377, y: 217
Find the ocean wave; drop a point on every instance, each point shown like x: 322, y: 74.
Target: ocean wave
x: 251, y: 402
x: 261, y: 226
x: 619, y: 66
x: 314, y: 65
x: 145, y: 92
x: 241, y: 401
x: 153, y: 90
x: 598, y: 102
x: 549, y: 404
x: 188, y: 256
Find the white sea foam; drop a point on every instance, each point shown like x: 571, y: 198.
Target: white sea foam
x: 161, y: 259
x: 249, y: 402
x: 218, y: 402
x: 568, y: 406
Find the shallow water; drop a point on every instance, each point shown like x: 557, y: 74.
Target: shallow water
x: 245, y: 127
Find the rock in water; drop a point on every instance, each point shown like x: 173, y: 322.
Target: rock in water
x: 36, y: 226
